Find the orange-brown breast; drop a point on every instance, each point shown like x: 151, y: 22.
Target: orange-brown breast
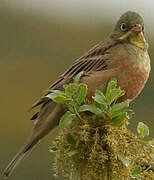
x: 131, y: 79
x: 133, y: 71
x: 130, y: 72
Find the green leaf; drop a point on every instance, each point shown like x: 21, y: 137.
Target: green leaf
x: 58, y: 96
x: 112, y: 92
x: 119, y: 119
x: 152, y: 155
x: 81, y: 94
x: 67, y: 119
x: 143, y: 141
x: 70, y: 139
x: 78, y: 77
x: 116, y: 108
x: 100, y: 99
x: 53, y: 149
x: 54, y: 94
x: 57, y: 139
x: 70, y: 108
x: 112, y: 84
x: 90, y: 108
x: 71, y: 89
x: 136, y: 171
x: 114, y: 95
x: 62, y: 99
x: 123, y: 160
x: 57, y: 91
x: 142, y: 130
x: 73, y: 152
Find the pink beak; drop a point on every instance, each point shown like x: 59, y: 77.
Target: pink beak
x: 137, y: 28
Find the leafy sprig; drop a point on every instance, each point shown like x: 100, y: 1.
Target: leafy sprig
x: 105, y: 105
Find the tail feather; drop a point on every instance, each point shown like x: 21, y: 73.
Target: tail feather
x: 17, y: 159
x: 48, y: 118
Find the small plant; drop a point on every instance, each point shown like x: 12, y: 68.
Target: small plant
x: 94, y: 143
x: 74, y: 97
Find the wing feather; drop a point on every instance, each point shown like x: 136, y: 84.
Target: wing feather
x: 94, y: 60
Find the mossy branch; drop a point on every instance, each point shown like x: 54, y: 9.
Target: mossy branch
x: 94, y: 142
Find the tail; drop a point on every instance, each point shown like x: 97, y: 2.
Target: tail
x: 48, y: 118
x: 17, y: 159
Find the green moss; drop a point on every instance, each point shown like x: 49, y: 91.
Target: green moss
x: 98, y: 144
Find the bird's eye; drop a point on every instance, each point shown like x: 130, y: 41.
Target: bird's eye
x: 123, y: 27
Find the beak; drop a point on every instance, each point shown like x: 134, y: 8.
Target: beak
x: 137, y: 29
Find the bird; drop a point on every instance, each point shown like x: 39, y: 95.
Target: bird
x: 122, y: 55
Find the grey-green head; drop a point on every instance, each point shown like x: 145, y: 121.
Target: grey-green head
x: 130, y: 28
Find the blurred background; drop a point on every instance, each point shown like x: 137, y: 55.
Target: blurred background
x: 39, y: 39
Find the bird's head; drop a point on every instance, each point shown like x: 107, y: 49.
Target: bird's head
x: 130, y: 29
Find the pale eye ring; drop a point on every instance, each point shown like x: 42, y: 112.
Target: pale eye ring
x: 123, y: 27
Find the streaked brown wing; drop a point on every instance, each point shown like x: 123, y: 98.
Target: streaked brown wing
x: 94, y: 60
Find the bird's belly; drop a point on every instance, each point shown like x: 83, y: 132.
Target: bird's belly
x: 131, y: 79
